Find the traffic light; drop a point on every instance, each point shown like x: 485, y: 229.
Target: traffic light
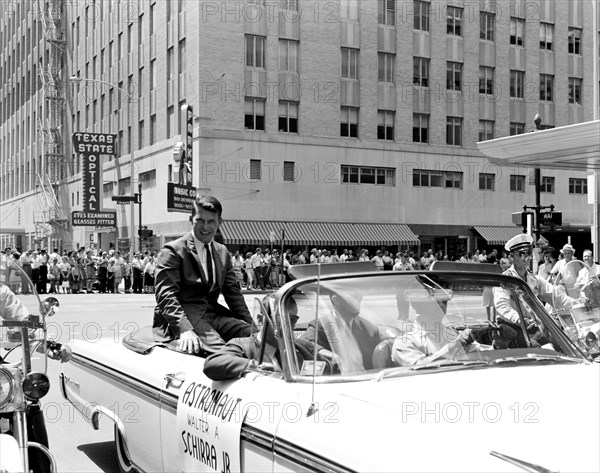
x: 145, y: 233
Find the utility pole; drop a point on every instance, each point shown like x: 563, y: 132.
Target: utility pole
x: 538, y: 184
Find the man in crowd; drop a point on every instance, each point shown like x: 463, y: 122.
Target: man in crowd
x: 191, y: 273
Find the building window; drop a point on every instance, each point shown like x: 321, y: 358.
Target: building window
x: 421, y: 72
x: 255, y: 169
x: 575, y: 41
x: 385, y: 125
x: 420, y: 128
x: 289, y: 171
x: 386, y: 64
x: 454, y: 131
x: 454, y: 21
x: 453, y: 75
x: 288, y: 55
x: 140, y: 135
x: 368, y: 175
x: 153, y: 129
x: 148, y: 179
x: 107, y: 190
x: 517, y: 128
x: 288, y: 5
x: 288, y: 117
x: 254, y: 114
x: 486, y: 130
x: 443, y: 179
x: 349, y: 9
x: 546, y: 34
x: 349, y: 122
x: 517, y: 30
x: 486, y: 80
x: 487, y: 24
x: 578, y: 186
x: 487, y: 182
x: 546, y: 87
x: 421, y: 15
x: 517, y: 84
x: 255, y: 51
x: 547, y: 185
x: 349, y: 63
x: 386, y: 12
x: 517, y: 183
x: 170, y: 121
x: 124, y: 186
x: 574, y: 90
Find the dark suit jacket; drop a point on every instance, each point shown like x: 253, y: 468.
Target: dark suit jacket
x: 365, y: 333
x: 181, y: 288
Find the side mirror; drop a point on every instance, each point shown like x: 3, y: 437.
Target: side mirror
x: 49, y: 305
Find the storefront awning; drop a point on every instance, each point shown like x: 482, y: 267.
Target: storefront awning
x: 252, y: 232
x: 498, y: 235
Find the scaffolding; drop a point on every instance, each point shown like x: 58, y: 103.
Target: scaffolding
x: 52, y: 218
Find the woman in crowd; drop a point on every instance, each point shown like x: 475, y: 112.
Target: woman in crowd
x: 65, y: 273
x: 149, y: 270
x: 90, y: 271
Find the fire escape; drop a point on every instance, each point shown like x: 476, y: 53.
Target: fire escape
x: 51, y: 221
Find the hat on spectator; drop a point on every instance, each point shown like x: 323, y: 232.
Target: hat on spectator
x: 567, y: 247
x: 521, y: 241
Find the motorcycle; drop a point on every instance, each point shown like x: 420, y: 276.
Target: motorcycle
x: 24, y: 353
x: 581, y: 322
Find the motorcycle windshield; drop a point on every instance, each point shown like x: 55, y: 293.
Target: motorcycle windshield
x: 22, y: 318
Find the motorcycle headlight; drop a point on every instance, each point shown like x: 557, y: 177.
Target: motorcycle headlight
x: 7, y: 388
x: 35, y: 386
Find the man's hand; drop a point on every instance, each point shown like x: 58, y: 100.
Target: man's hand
x: 190, y: 342
x: 64, y: 354
x: 332, y: 359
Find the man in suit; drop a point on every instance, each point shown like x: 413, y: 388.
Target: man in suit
x: 191, y: 273
x: 345, y: 333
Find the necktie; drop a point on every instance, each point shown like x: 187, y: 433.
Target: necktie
x: 209, y: 267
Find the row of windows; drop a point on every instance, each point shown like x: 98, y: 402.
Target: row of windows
x: 385, y: 176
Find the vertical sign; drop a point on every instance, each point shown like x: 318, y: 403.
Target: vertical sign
x: 186, y: 163
x: 91, y: 146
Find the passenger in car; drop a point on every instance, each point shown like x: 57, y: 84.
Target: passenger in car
x: 241, y: 354
x: 430, y: 338
x: 191, y: 273
x: 345, y: 333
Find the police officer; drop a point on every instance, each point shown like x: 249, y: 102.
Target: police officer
x: 520, y: 248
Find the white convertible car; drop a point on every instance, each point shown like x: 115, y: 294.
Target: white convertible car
x: 442, y: 370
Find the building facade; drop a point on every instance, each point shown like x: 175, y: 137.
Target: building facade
x: 339, y: 123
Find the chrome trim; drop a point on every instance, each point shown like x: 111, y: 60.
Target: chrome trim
x: 11, y: 384
x: 169, y: 401
x: 525, y: 466
x: 257, y: 437
x: 290, y: 451
x: 47, y: 452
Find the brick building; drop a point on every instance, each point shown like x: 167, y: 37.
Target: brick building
x: 343, y: 123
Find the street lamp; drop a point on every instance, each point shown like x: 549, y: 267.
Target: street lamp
x: 74, y: 79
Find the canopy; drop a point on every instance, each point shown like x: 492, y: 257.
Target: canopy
x: 574, y: 147
x: 265, y: 232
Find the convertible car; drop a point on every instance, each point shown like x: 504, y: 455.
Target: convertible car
x: 452, y: 369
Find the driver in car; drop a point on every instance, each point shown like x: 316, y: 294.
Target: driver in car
x: 430, y: 338
x: 11, y: 309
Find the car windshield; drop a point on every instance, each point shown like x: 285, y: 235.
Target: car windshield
x: 411, y: 321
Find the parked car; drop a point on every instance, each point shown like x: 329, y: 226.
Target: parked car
x: 445, y: 381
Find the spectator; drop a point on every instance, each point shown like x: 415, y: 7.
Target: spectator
x: 149, y: 271
x: 138, y: 274
x: 65, y: 274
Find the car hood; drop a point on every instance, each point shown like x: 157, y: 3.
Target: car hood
x: 546, y: 415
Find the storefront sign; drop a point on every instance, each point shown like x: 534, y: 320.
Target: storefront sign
x: 91, y: 146
x: 94, y: 219
x: 180, y: 198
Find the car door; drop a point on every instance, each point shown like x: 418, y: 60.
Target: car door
x: 245, y: 439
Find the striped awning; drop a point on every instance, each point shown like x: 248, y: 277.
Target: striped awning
x: 253, y: 232
x: 498, y: 235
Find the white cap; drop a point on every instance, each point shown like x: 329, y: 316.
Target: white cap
x: 523, y: 240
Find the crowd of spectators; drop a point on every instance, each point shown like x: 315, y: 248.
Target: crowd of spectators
x: 90, y: 270
x: 80, y: 271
